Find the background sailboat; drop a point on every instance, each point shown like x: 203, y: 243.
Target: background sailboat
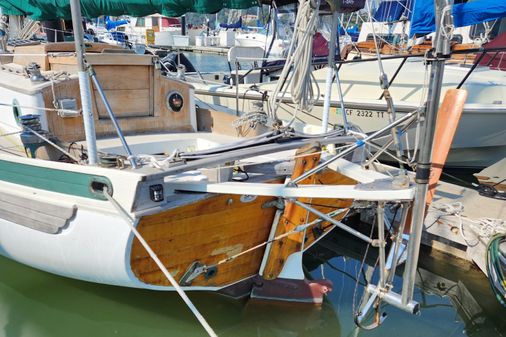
x: 367, y: 109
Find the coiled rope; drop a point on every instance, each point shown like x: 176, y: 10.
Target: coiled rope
x: 483, y: 228
x: 297, y: 72
x: 496, y: 266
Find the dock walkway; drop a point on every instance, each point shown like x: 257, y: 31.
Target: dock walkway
x: 460, y: 222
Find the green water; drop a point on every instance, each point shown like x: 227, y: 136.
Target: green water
x: 36, y: 304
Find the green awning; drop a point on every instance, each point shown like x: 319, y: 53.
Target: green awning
x: 53, y: 9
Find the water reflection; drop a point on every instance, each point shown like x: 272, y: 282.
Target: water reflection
x: 456, y: 301
x: 454, y: 295
x: 268, y: 319
x: 34, y: 303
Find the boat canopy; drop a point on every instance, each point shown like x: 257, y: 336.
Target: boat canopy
x: 54, y: 9
x: 111, y: 24
x: 235, y: 25
x: 392, y: 10
x: 464, y: 14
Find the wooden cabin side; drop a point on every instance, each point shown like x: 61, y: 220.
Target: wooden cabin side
x: 136, y: 91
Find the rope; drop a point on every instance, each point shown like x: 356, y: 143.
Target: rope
x: 38, y: 108
x: 131, y: 223
x: 448, y: 29
x: 249, y: 121
x: 302, y: 84
x: 485, y: 36
x: 62, y: 75
x: 488, y: 227
x: 145, y: 159
x: 354, y: 311
x: 297, y: 73
x: 6, y: 150
x: 496, y: 267
x: 10, y: 133
x: 484, y: 228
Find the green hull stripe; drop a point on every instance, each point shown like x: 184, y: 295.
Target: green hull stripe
x: 66, y: 182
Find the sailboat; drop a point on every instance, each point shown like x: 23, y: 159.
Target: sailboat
x: 66, y: 205
x: 367, y: 109
x: 390, y: 28
x: 105, y: 176
x: 266, y: 37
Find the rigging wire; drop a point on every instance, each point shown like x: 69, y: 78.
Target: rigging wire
x: 361, y: 271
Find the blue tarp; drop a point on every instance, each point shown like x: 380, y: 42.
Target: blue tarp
x: 238, y: 24
x: 354, y: 33
x: 465, y: 14
x: 118, y: 36
x: 110, y: 24
x: 390, y: 11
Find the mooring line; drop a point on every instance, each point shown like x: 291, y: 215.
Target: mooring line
x: 160, y: 265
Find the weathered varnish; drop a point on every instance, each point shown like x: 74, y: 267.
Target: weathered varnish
x: 207, y: 231
x: 137, y: 95
x: 41, y: 52
x: 294, y: 215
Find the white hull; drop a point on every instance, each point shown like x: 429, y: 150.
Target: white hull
x: 262, y: 41
x: 480, y: 139
x: 92, y: 248
x: 95, y: 246
x: 96, y: 243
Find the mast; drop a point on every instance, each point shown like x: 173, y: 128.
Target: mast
x: 84, y: 83
x: 441, y: 53
x: 183, y: 25
x: 330, y: 72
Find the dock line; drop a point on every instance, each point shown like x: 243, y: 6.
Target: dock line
x: 160, y: 265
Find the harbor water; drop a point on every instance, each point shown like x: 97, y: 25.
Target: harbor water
x: 455, y: 301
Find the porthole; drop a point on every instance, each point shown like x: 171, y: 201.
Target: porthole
x: 174, y: 101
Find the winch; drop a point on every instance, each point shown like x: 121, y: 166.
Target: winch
x: 30, y: 140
